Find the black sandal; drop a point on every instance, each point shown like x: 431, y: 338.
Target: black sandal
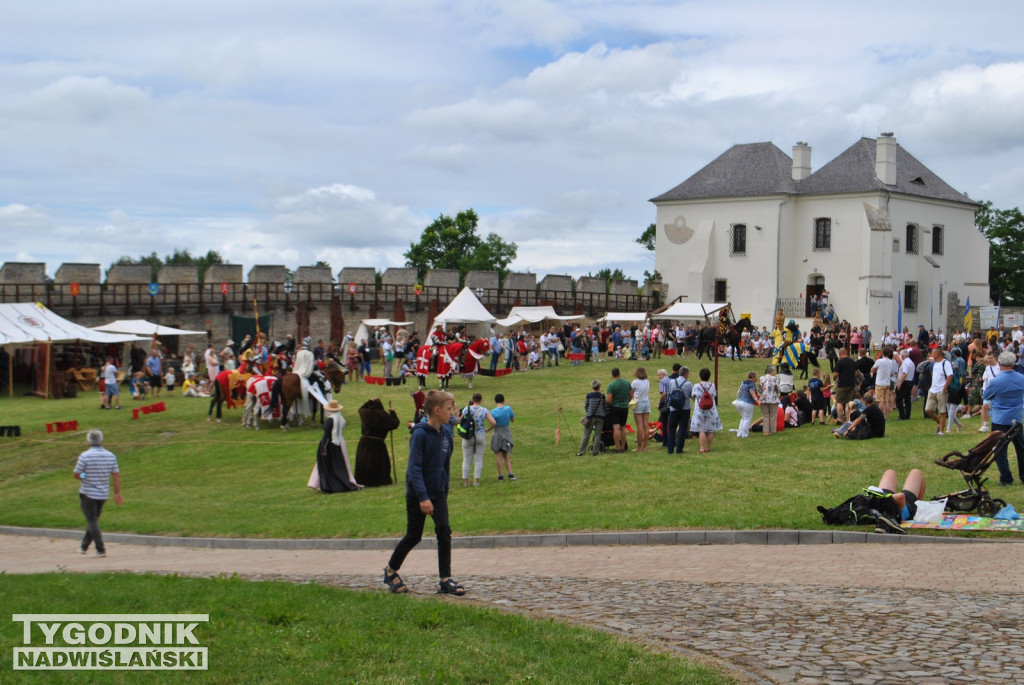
x: 450, y: 587
x: 394, y: 583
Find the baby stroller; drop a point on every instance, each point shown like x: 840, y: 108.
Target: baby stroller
x: 973, y: 466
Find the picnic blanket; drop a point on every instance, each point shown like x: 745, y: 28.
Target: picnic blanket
x: 969, y: 522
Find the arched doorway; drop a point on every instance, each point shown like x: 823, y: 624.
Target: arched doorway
x: 815, y: 287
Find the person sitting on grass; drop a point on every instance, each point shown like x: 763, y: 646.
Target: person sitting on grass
x: 867, y: 423
x: 792, y: 416
x: 188, y: 387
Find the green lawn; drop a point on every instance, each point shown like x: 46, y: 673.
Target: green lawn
x: 276, y: 632
x: 184, y: 476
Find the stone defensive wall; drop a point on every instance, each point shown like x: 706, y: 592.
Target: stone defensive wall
x: 315, y: 302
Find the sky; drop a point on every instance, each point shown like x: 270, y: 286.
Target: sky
x: 337, y: 130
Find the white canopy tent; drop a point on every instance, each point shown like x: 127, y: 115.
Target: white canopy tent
x: 363, y: 332
x: 31, y: 322
x: 533, y: 315
x: 467, y: 309
x: 690, y: 310
x: 143, y: 327
x: 625, y: 316
x: 28, y: 323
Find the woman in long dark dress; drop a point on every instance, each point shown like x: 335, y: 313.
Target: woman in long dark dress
x: 373, y: 464
x: 333, y: 472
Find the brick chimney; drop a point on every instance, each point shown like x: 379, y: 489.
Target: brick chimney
x: 885, y: 159
x: 801, y: 161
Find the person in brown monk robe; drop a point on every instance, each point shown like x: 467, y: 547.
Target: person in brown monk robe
x: 373, y: 464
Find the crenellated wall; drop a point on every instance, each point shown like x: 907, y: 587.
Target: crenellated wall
x: 313, y: 302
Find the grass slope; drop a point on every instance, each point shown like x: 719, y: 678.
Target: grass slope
x: 277, y: 632
x: 184, y: 476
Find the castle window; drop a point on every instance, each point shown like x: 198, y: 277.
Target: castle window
x: 822, y: 235
x: 911, y: 238
x: 910, y: 296
x: 738, y: 243
x: 720, y: 290
x: 937, y: 240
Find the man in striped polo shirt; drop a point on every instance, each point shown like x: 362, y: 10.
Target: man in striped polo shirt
x: 93, y: 471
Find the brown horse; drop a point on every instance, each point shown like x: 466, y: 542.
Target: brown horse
x: 335, y: 374
x: 288, y: 392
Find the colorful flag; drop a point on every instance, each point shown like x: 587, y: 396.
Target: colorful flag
x: 968, y: 317
x: 899, y: 311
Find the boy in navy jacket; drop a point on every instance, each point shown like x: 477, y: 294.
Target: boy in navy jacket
x: 426, y: 492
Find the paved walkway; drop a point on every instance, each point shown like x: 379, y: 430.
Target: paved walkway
x: 810, y: 613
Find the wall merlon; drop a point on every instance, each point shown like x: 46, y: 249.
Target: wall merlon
x: 487, y: 280
x: 399, y: 276
x: 175, y: 274
x: 442, y: 278
x: 79, y: 273
x: 265, y: 273
x: 23, y: 272
x: 129, y: 274
x: 359, y: 275
x: 312, y: 274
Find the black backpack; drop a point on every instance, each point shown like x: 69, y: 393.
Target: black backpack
x: 467, y: 424
x: 862, y: 508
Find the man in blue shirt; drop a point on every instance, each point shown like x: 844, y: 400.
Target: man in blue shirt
x: 155, y: 379
x: 1005, y: 395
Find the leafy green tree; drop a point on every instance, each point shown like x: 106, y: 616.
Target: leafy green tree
x: 649, y: 239
x: 609, y: 275
x: 454, y: 243
x: 152, y: 259
x: 1004, y: 229
x: 179, y: 256
x: 204, y: 262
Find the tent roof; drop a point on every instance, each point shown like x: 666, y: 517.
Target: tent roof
x: 533, y: 315
x: 30, y: 322
x: 143, y: 327
x: 385, y: 322
x: 465, y: 308
x: 690, y: 310
x: 624, y: 316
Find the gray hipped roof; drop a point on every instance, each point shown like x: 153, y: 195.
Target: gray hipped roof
x: 853, y: 171
x: 763, y: 169
x: 742, y: 170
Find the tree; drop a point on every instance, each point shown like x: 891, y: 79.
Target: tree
x: 649, y: 240
x: 608, y: 275
x: 649, y: 237
x: 179, y: 256
x: 1004, y: 229
x: 204, y: 262
x: 453, y: 243
x: 152, y: 259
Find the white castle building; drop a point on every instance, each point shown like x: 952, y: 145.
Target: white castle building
x: 874, y: 227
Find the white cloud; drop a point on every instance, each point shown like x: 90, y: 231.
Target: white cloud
x: 972, y: 106
x: 337, y: 131
x: 85, y: 99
